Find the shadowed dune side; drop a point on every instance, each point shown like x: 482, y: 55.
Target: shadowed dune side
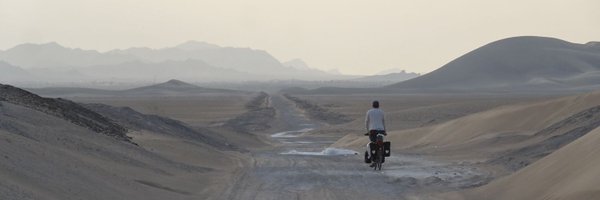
x: 550, y: 139
x: 134, y: 120
x: 569, y: 173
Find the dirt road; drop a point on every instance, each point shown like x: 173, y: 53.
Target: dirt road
x: 301, y: 166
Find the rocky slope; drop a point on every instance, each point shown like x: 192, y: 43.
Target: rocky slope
x: 65, y: 109
x: 51, y: 149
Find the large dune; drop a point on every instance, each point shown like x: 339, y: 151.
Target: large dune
x: 518, y: 63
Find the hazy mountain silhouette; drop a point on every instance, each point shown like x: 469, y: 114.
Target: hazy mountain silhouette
x: 517, y: 63
x: 296, y: 64
x: 50, y: 74
x: 210, y: 63
x: 390, y: 70
x: 252, y: 61
x: 241, y: 59
x: 10, y: 73
x: 14, y: 74
x: 257, y: 62
x: 195, y: 45
x: 391, y: 77
x: 55, y: 55
x: 192, y: 70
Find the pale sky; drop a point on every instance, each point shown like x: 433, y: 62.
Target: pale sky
x: 356, y: 37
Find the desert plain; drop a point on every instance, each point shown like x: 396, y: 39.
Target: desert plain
x: 277, y: 147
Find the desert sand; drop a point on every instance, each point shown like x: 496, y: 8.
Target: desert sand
x: 275, y: 146
x: 569, y: 173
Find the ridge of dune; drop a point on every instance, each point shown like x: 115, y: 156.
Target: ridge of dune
x: 524, y: 119
x: 517, y: 120
x: 569, y: 173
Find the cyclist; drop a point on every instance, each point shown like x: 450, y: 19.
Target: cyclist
x: 375, y: 124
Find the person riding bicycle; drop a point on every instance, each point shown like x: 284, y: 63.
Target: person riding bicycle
x: 375, y: 124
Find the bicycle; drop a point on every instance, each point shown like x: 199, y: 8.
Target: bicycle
x: 379, y: 150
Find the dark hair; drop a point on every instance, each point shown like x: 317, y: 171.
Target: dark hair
x: 375, y: 104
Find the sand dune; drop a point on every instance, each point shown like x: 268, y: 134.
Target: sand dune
x: 523, y: 119
x: 518, y: 63
x: 569, y: 173
x: 540, y: 150
x: 490, y: 132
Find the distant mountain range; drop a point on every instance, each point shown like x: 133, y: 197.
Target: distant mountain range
x: 512, y: 64
x: 296, y: 64
x: 191, y: 61
x: 390, y: 71
x: 391, y: 77
x: 189, y: 70
x: 518, y: 63
x: 52, y: 55
x: 11, y: 73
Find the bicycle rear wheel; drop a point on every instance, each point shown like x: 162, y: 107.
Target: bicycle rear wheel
x: 378, y: 159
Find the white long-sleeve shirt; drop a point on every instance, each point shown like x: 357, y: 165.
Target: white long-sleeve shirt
x: 375, y: 119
